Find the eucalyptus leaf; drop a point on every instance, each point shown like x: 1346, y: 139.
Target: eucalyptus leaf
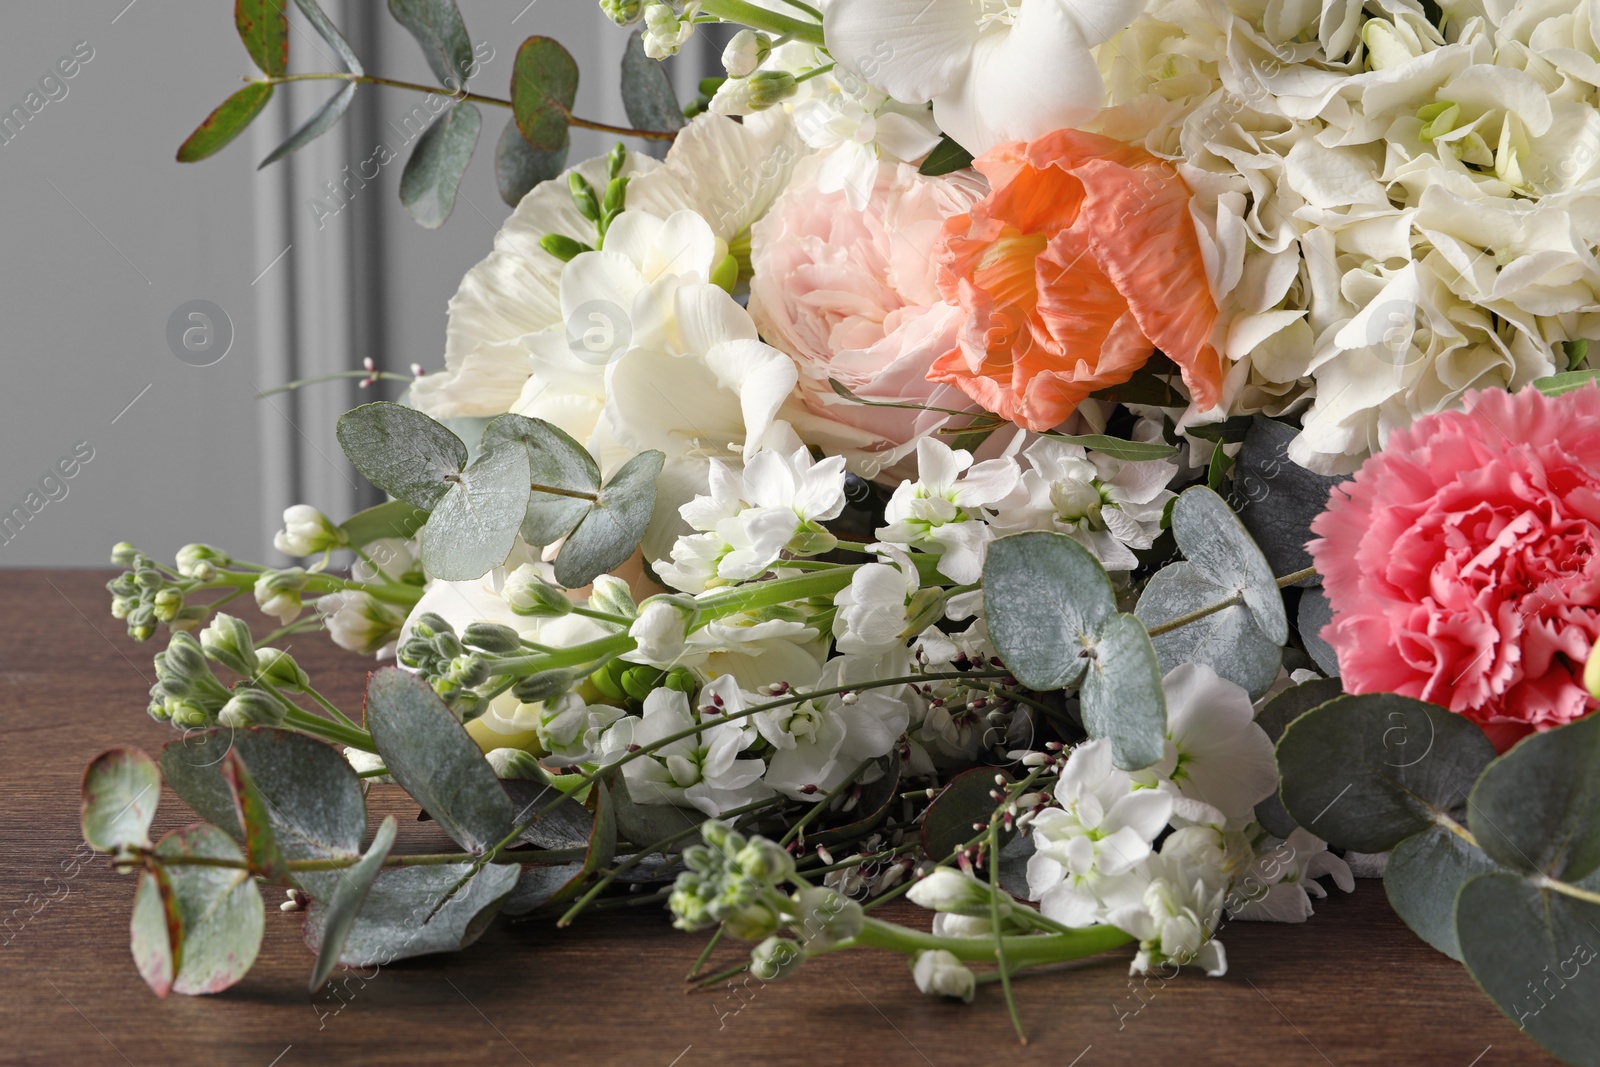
x: 434, y: 171
x: 554, y: 460
x: 1273, y: 719
x: 1315, y: 613
x: 1365, y: 772
x: 155, y: 932
x: 313, y: 797
x: 348, y: 896
x: 1122, y: 697
x: 254, y: 813
x: 264, y: 29
x: 402, y: 452
x: 539, y: 885
x: 225, y: 123
x: 474, y: 527
x: 393, y: 924
x: 439, y: 29
x: 219, y: 908
x: 614, y: 525
x: 1227, y: 641
x: 544, y: 83
x: 318, y: 124
x: 328, y: 32
x: 1534, y: 952
x: 393, y: 518
x: 1217, y: 544
x: 431, y: 755
x: 965, y: 800
x: 565, y: 825
x: 645, y: 824
x: 1278, y: 498
x: 1537, y: 808
x: 1046, y: 596
x: 1422, y: 878
x: 647, y: 95
x: 121, y: 789
x: 518, y: 166
x: 947, y: 156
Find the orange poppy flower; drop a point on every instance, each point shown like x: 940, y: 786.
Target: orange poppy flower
x: 1080, y: 263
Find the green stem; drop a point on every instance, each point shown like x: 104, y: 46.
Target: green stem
x: 379, y: 375
x: 477, y: 98
x: 816, y: 809
x: 778, y: 591
x: 327, y: 706
x: 297, y: 718
x: 748, y: 14
x: 994, y: 921
x: 1021, y: 950
x: 705, y: 954
x: 436, y: 859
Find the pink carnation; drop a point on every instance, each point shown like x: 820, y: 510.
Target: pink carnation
x: 1463, y: 562
x: 853, y: 295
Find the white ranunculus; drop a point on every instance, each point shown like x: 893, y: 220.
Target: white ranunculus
x: 995, y: 70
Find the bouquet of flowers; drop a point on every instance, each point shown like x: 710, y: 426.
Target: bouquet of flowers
x: 1093, y: 468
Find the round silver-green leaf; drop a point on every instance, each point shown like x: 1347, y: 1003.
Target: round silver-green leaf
x: 1046, y: 597
x: 1217, y: 544
x: 1227, y: 641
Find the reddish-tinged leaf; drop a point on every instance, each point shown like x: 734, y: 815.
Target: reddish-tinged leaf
x: 544, y: 83
x: 120, y: 790
x: 222, y: 916
x: 264, y: 29
x: 260, y: 843
x: 225, y: 123
x: 156, y: 931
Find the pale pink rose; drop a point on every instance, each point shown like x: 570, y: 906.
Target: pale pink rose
x: 1463, y: 562
x: 853, y: 295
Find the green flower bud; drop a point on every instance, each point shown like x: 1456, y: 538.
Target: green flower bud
x: 201, y: 561
x: 121, y: 605
x: 616, y: 196
x: 415, y: 652
x: 124, y: 585
x: 563, y: 247
x: 608, y: 680
x: 167, y: 603
x: 616, y: 160
x: 448, y: 645
x: 150, y: 578
x: 491, y: 637
x: 123, y: 554
x: 227, y: 641
x: 722, y: 837
x: 188, y: 618
x: 187, y: 715
x: 769, y: 87
x: 141, y: 630
x: 584, y: 197
x: 775, y: 958
x: 184, y: 660
x: 681, y: 679
x: 764, y: 861
x: 812, y: 540
x: 689, y: 906
x: 825, y: 917
x: 277, y: 667
x: 515, y: 763
x: 752, y: 922
x: 249, y: 706
x: 745, y: 53
x: 546, y: 685
x: 639, y: 682
x: 431, y: 625
x: 925, y: 609
x: 623, y: 12
x: 278, y: 592
x: 725, y: 275
x: 612, y: 595
x: 529, y: 594
x: 469, y: 670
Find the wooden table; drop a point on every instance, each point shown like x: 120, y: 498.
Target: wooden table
x: 1351, y: 986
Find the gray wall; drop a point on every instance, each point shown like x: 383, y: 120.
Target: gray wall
x: 103, y: 237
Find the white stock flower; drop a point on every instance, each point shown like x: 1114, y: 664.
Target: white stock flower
x: 1279, y: 885
x: 705, y: 770
x: 1110, y: 506
x: 306, y: 532
x: 939, y: 973
x: 661, y: 632
x: 876, y: 610
x: 667, y: 30
x: 1177, y: 910
x: 995, y: 70
x: 941, y: 511
x: 569, y: 730
x: 1103, y: 828
x: 1217, y: 759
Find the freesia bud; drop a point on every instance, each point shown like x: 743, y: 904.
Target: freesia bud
x: 306, y: 532
x: 611, y: 594
x: 227, y: 641
x: 251, y: 707
x: 946, y: 889
x: 515, y: 763
x: 746, y: 52
x: 769, y: 87
x: 529, y: 594
x: 279, y: 668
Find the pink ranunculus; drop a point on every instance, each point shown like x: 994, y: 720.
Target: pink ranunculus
x: 1463, y: 562
x: 853, y: 295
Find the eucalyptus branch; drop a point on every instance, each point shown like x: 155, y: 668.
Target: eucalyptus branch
x: 1223, y: 605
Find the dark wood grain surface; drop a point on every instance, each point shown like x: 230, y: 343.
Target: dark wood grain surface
x: 1351, y: 986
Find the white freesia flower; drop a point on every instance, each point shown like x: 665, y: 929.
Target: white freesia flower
x: 941, y: 511
x: 1109, y: 506
x: 306, y: 532
x: 661, y: 631
x: 570, y: 730
x: 1279, y: 885
x: 939, y: 973
x: 706, y: 770
x: 1217, y: 759
x: 1102, y: 829
x: 360, y: 622
x: 995, y: 70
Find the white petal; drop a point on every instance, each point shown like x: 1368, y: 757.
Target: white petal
x: 911, y: 49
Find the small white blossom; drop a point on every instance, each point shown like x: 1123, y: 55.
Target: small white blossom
x: 881, y: 606
x: 360, y: 622
x: 1177, y: 912
x: 1279, y: 885
x: 306, y: 532
x: 941, y: 511
x: 939, y: 973
x: 705, y: 770
x: 569, y: 730
x: 661, y: 631
x: 665, y: 30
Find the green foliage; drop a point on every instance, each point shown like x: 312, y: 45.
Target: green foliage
x: 518, y: 166
x: 261, y: 849
x: 439, y: 29
x: 1216, y: 543
x: 121, y: 788
x: 317, y: 125
x: 393, y: 518
x: 555, y: 460
x: 614, y: 524
x: 1566, y: 382
x: 1053, y: 617
x: 213, y: 916
x: 225, y: 123
x: 1535, y: 809
x: 1273, y: 719
x: 1227, y: 641
x: 348, y: 897
x: 647, y: 95
x: 1116, y: 447
x: 329, y: 33
x: 394, y: 923
x: 264, y: 28
x: 544, y: 83
x: 947, y: 157
x: 429, y: 753
x: 437, y: 163
x: 963, y: 802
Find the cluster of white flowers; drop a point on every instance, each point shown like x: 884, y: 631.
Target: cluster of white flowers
x: 1097, y: 861
x: 1393, y: 213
